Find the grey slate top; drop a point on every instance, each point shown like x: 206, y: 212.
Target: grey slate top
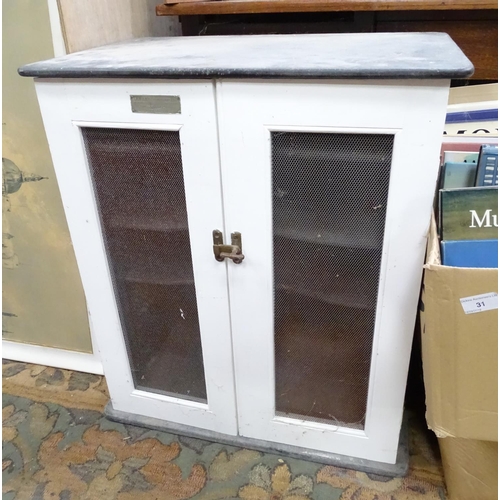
x: 361, y: 55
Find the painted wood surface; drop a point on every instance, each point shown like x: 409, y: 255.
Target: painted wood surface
x: 65, y: 108
x: 236, y: 301
x: 248, y: 111
x: 49, y: 356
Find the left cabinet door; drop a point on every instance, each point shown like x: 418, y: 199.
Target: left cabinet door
x: 138, y: 169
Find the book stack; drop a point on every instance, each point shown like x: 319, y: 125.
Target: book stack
x: 468, y: 184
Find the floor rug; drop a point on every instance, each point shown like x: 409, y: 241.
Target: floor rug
x: 57, y: 445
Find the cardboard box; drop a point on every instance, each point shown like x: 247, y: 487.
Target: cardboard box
x: 459, y: 350
x: 470, y: 468
x: 459, y: 355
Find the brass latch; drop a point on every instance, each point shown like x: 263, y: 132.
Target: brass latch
x: 232, y: 251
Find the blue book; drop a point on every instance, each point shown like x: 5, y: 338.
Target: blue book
x: 470, y: 253
x: 487, y: 170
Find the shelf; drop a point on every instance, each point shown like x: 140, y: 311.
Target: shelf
x: 296, y: 224
x: 155, y: 279
x: 275, y: 6
x: 320, y: 357
x: 163, y: 339
x: 337, y: 299
x: 316, y: 154
x: 154, y: 257
x: 165, y: 273
x: 148, y: 222
x: 174, y: 374
x: 132, y: 148
x: 338, y: 276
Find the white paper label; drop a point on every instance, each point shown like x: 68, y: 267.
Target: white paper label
x: 480, y: 303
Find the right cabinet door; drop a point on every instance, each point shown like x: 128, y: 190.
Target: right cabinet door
x: 331, y: 186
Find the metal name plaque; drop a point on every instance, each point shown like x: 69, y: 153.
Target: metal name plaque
x: 156, y: 104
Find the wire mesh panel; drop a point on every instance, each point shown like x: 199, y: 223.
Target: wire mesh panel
x: 139, y: 186
x: 329, y: 204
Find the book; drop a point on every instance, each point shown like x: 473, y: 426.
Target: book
x: 470, y: 253
x: 469, y: 213
x: 457, y: 174
x: 469, y: 144
x: 487, y: 170
x: 460, y: 156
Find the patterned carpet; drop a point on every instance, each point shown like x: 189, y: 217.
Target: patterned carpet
x: 57, y: 445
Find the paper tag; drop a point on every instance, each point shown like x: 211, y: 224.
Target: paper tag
x: 480, y: 303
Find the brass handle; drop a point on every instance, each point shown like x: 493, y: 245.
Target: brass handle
x: 232, y: 251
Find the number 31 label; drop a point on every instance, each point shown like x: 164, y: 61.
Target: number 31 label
x: 480, y: 303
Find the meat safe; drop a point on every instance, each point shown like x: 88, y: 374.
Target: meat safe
x: 249, y: 216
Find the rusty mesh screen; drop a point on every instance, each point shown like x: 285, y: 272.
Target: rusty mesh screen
x: 139, y: 186
x: 329, y: 204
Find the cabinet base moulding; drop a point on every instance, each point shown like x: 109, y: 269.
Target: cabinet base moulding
x: 50, y: 356
x: 399, y: 469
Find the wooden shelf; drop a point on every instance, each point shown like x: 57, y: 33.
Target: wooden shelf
x: 329, y: 238
x: 321, y: 234
x: 275, y: 6
x: 164, y: 340
x: 168, y: 274
x: 149, y: 223
x: 357, y: 301
x: 337, y: 276
x: 312, y: 230
x: 342, y: 288
x: 318, y: 356
x: 132, y: 148
x: 313, y: 155
x: 155, y: 279
x: 161, y: 259
x: 472, y: 25
x: 162, y: 371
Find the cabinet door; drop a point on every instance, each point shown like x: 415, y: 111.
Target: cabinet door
x: 331, y: 186
x: 138, y: 168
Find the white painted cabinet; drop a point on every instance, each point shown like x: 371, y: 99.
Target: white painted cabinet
x: 301, y: 336
x: 329, y: 197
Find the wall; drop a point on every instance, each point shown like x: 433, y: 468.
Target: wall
x: 43, y: 300
x: 92, y: 23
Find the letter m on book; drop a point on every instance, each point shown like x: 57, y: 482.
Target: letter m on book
x: 477, y: 222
